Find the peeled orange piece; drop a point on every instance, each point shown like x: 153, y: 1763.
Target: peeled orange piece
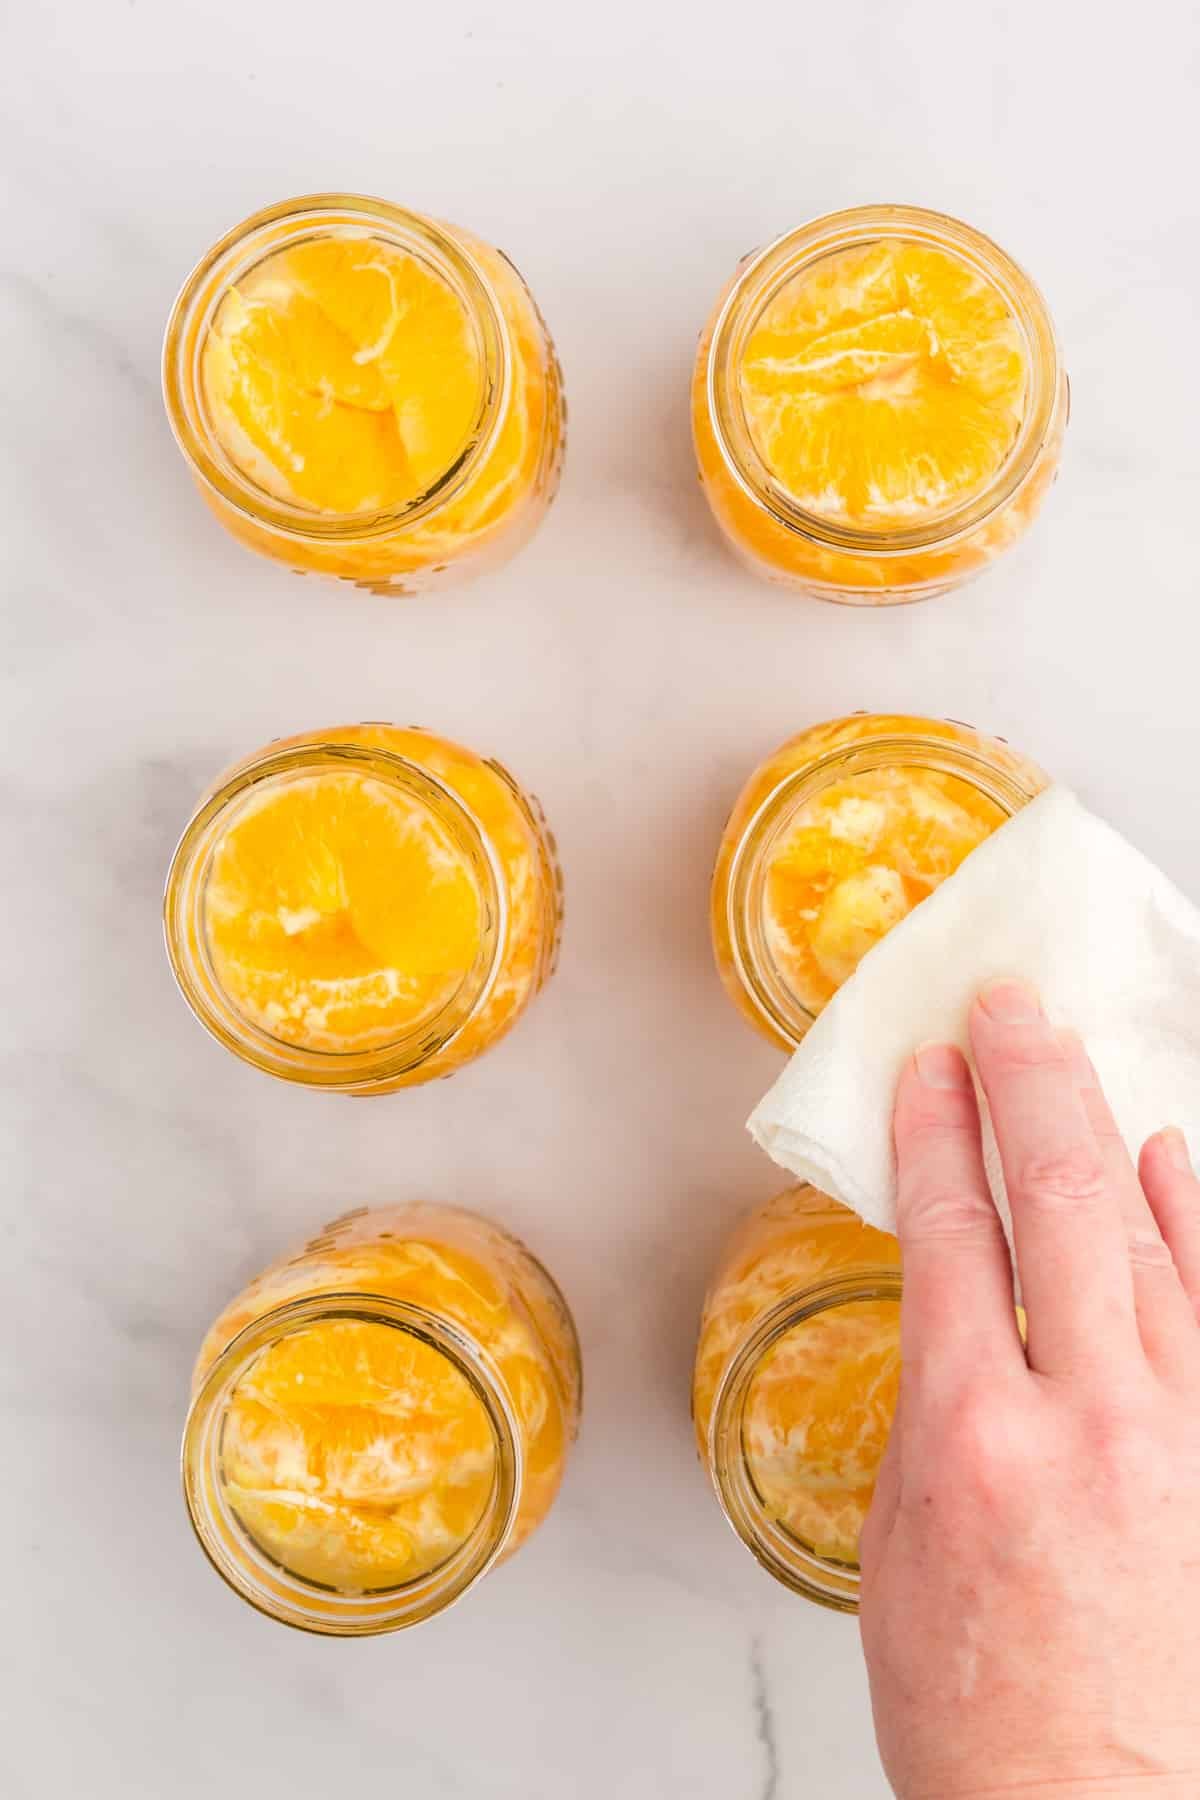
x: 339, y: 913
x: 855, y: 859
x: 342, y: 374
x: 820, y: 1402
x: 356, y: 1455
x: 884, y: 385
x: 817, y: 1419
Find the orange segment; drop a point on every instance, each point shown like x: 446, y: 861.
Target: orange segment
x: 820, y: 1403
x: 855, y: 859
x: 884, y: 385
x: 817, y: 1419
x: 338, y: 912
x: 835, y: 291
x: 356, y: 1455
x: 342, y: 374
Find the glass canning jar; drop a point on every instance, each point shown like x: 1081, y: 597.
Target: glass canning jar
x: 363, y: 908
x: 878, y: 405
x: 379, y: 1419
x: 834, y: 838
x: 363, y: 392
x: 796, y: 1377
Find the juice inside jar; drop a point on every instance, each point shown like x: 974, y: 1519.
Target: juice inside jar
x: 356, y: 1455
x: 854, y: 859
x: 884, y: 384
x: 342, y: 374
x: 339, y: 912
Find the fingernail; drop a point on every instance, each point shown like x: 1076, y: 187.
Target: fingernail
x: 1175, y: 1145
x: 942, y: 1066
x: 1010, y: 1002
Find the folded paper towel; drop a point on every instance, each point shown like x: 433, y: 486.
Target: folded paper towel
x: 1055, y: 896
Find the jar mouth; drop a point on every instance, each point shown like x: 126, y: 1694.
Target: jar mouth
x: 829, y: 1582
x: 266, y: 1584
x: 280, y: 227
x: 770, y: 268
x: 763, y: 981
x: 187, y: 937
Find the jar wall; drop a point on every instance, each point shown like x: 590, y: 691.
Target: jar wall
x: 874, y: 761
x: 461, y: 1273
x: 801, y: 1278
x: 516, y: 827
x: 514, y: 860
x: 771, y: 534
x: 485, y: 505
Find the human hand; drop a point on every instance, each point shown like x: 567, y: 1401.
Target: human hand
x: 1031, y: 1561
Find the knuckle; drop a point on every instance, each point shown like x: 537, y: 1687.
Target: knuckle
x: 928, y: 1129
x: 1147, y: 1250
x: 945, y: 1107
x: 1064, y: 1179
x: 1117, y: 1416
x: 948, y: 1210
x: 1123, y: 1444
x: 985, y: 1444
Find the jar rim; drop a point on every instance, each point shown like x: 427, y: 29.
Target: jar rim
x: 274, y: 1590
x: 762, y: 275
x: 186, y: 935
x: 829, y: 1583
x: 783, y: 1015
x: 274, y: 228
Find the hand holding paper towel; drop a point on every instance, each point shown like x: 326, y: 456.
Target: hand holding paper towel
x: 1055, y: 897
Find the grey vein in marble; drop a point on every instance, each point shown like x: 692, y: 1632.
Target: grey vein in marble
x: 39, y: 300
x: 764, y: 1721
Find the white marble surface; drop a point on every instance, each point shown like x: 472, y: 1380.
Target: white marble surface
x: 628, y: 671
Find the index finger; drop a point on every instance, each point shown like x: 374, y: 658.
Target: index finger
x: 958, y: 1312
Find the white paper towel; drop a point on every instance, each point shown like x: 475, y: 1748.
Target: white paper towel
x: 1055, y: 896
